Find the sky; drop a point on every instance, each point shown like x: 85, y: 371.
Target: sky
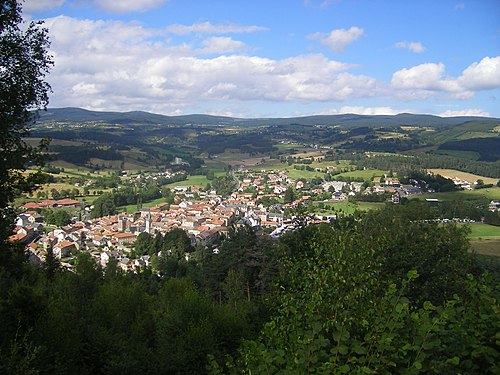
x: 274, y: 58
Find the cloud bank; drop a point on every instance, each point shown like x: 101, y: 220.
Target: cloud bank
x: 114, y: 65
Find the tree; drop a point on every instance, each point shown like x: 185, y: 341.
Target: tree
x: 24, y: 62
x: 335, y: 311
x: 57, y: 217
x: 290, y: 195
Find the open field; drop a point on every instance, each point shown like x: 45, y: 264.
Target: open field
x: 489, y: 247
x: 366, y: 206
x: 490, y: 193
x: 54, y: 142
x: 450, y: 173
x: 131, y: 208
x: 298, y: 174
x: 198, y: 180
x: 479, y: 230
x: 290, y: 146
x: 366, y: 174
x: 347, y: 207
x: 235, y: 157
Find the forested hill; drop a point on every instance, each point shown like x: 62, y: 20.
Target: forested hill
x: 138, y: 117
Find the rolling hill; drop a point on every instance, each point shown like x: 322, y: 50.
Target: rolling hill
x: 348, y: 120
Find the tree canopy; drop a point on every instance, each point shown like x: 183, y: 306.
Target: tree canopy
x: 24, y: 62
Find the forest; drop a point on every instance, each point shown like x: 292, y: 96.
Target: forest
x: 378, y: 292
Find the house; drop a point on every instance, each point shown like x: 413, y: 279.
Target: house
x: 29, y: 218
x: 123, y: 238
x: 63, y: 249
x: 396, y: 198
x: 124, y: 264
x: 494, y: 206
x: 207, y: 237
x: 67, y: 203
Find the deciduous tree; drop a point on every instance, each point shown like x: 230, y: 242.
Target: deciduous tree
x: 24, y: 62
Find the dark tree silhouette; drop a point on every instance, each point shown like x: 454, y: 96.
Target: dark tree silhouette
x: 24, y: 62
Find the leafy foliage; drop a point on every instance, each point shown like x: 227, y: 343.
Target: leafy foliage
x: 338, y: 311
x: 24, y: 61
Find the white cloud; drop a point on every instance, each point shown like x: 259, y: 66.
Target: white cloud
x: 465, y: 112
x: 338, y: 39
x: 114, y: 65
x: 220, y: 44
x: 128, y: 6
x: 415, y: 47
x: 459, y: 6
x: 41, y: 5
x: 427, y: 79
x: 369, y: 110
x: 361, y: 110
x: 425, y: 76
x: 123, y: 66
x: 208, y: 28
x: 483, y: 75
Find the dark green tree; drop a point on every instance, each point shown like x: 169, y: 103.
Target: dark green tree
x: 337, y: 312
x: 290, y: 195
x: 143, y: 243
x: 24, y: 62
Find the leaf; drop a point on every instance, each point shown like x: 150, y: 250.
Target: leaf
x: 453, y: 361
x: 429, y: 306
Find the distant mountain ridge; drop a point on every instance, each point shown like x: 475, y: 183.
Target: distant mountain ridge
x: 72, y: 114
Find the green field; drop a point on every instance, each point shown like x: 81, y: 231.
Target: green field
x: 366, y: 174
x: 290, y: 146
x: 347, y: 208
x: 490, y: 193
x: 479, y: 230
x: 131, y: 208
x: 298, y: 174
x: 197, y: 180
x: 485, y: 240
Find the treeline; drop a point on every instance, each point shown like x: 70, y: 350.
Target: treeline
x: 82, y: 154
x: 428, y: 182
x: 375, y: 144
x: 251, y: 143
x: 380, y: 292
x: 224, y: 185
x: 487, y: 148
x: 107, y: 203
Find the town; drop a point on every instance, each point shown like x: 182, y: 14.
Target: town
x: 267, y: 201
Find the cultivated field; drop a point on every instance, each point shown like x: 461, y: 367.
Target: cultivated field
x: 450, y: 173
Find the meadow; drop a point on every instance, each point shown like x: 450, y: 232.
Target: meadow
x: 492, y: 193
x: 479, y: 230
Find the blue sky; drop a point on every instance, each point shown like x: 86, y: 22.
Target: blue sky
x: 276, y: 58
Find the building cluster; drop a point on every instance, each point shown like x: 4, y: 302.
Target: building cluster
x: 204, y: 216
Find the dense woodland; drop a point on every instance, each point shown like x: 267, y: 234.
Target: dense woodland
x: 377, y: 292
